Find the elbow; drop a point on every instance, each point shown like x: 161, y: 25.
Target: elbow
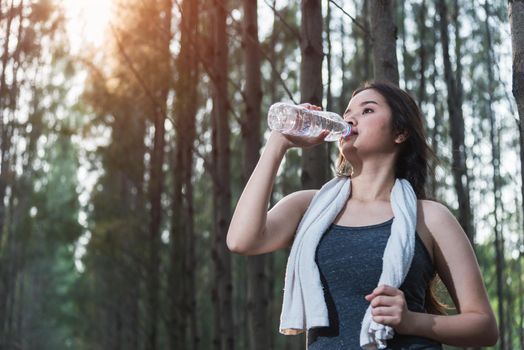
x: 238, y: 243
x: 234, y: 246
x: 494, y: 334
x: 235, y: 249
x: 491, y: 332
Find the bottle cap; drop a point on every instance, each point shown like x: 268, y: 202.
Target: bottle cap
x: 347, y: 132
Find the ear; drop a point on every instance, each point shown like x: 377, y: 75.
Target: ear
x: 401, y: 137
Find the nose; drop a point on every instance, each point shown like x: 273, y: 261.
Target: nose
x: 351, y: 120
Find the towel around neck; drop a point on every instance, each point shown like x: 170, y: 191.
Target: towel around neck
x: 304, y: 306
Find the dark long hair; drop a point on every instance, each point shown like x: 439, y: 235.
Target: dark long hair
x: 413, y: 160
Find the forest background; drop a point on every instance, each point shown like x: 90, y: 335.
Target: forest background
x: 129, y: 128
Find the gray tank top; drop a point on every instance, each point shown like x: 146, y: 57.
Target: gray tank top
x: 350, y: 263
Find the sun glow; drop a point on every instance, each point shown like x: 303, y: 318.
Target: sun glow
x: 87, y: 22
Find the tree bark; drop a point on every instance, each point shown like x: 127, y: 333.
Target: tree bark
x: 516, y: 20
x: 329, y: 93
x: 182, y: 314
x: 422, y: 54
x: 495, y: 155
x: 257, y: 293
x: 367, y: 39
x: 314, y: 170
x: 343, y: 98
x: 407, y: 69
x: 6, y: 161
x: 456, y: 130
x: 224, y: 326
x: 157, y: 178
x: 383, y: 36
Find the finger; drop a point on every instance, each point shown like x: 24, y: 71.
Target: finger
x: 383, y: 300
x: 311, y: 106
x: 324, y: 134
x: 385, y: 289
x: 385, y: 320
x: 382, y: 311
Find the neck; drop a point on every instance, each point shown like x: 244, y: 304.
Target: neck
x: 372, y: 180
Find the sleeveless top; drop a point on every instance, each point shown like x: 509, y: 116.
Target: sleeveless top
x: 350, y: 263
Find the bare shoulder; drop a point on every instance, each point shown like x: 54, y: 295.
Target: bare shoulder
x: 433, y: 211
x: 430, y: 216
x: 436, y: 217
x: 455, y: 259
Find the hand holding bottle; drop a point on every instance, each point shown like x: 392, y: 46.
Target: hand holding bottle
x: 289, y: 141
x: 306, y: 120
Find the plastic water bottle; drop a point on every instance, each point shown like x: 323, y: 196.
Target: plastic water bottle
x: 299, y: 121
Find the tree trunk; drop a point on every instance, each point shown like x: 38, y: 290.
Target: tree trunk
x: 182, y: 315
x: 367, y: 39
x: 6, y: 173
x: 314, y: 170
x: 157, y: 179
x: 407, y: 68
x: 495, y: 155
x: 343, y: 99
x: 516, y: 20
x: 421, y: 21
x: 520, y: 289
x: 456, y: 130
x: 329, y: 93
x: 224, y: 327
x: 257, y: 293
x: 383, y: 36
x: 270, y: 265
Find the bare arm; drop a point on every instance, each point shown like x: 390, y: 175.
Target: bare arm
x: 253, y: 230
x: 475, y: 324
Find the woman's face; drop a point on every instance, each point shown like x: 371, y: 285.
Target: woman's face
x: 370, y: 116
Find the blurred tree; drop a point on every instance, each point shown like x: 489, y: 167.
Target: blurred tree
x: 223, y: 337
x: 257, y: 293
x: 516, y: 20
x: 38, y: 200
x: 383, y: 38
x: 314, y: 170
x: 456, y: 129
x: 182, y: 320
x: 495, y: 162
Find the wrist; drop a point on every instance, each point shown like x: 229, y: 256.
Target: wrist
x: 410, y: 325
x: 278, y: 143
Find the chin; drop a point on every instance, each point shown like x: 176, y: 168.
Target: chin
x: 347, y: 146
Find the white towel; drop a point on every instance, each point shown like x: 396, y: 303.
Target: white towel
x: 304, y: 306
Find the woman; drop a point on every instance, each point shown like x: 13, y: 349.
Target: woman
x: 388, y: 143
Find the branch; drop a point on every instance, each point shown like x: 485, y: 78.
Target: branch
x: 266, y: 56
x: 207, y: 162
x: 351, y: 17
x: 137, y: 75
x: 208, y: 67
x: 291, y: 29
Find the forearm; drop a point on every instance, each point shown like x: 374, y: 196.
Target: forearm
x: 249, y: 218
x: 465, y: 329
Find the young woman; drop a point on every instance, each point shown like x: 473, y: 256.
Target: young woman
x: 388, y: 143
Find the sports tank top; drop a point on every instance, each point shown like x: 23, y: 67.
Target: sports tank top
x: 350, y: 263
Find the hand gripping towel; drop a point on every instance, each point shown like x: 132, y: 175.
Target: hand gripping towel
x: 304, y: 306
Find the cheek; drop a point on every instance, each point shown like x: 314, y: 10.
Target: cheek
x: 379, y: 129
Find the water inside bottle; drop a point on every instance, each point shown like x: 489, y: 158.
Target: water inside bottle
x: 294, y: 120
